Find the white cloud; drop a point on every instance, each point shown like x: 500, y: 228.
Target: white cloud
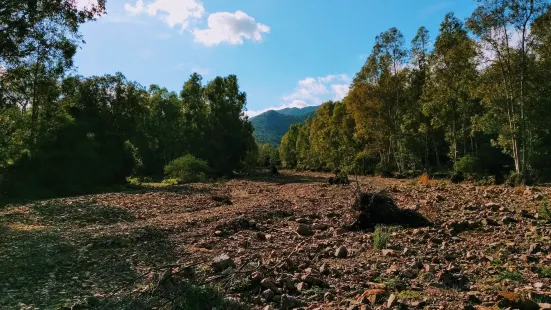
x: 341, y: 90
x: 200, y: 70
x: 173, y: 12
x: 312, y: 92
x: 231, y: 28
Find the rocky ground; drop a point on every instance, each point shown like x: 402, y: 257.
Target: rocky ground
x: 281, y: 242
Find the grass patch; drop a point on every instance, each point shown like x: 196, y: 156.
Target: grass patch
x: 545, y: 271
x: 511, y: 275
x: 381, y: 237
x: 545, y: 212
x: 407, y: 294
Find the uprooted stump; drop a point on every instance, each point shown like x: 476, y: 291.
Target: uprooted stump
x: 380, y: 209
x: 339, y: 179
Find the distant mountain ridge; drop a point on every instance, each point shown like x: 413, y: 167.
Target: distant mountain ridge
x: 271, y: 126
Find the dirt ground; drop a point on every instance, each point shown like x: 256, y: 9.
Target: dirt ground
x: 281, y: 242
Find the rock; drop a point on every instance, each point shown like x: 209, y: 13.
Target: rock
x: 339, y: 232
x: 391, y: 301
x: 493, y: 206
x: 374, y: 296
x: 387, y: 252
x: 304, y: 230
x: 268, y: 294
x: 472, y: 298
x: 489, y: 222
x: 328, y: 297
x: 408, y: 273
x: 341, y: 252
x: 534, y: 248
x: 430, y: 267
x: 261, y: 236
x: 256, y: 277
x: 506, y: 220
x: 222, y: 262
x: 324, y: 270
x: 268, y: 283
x: 289, y: 302
x: 302, y: 286
x: 218, y: 233
x: 515, y: 301
x: 538, y: 285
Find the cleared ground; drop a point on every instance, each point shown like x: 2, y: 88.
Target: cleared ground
x: 484, y: 249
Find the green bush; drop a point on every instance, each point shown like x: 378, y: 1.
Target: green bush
x: 545, y: 213
x: 467, y: 165
x: 187, y: 169
x: 381, y: 237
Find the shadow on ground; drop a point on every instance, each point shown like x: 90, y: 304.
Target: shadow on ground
x: 282, y: 179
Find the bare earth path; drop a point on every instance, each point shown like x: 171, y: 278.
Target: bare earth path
x: 486, y: 248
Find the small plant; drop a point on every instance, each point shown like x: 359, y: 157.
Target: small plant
x: 545, y: 212
x: 424, y: 179
x: 170, y: 181
x: 496, y: 262
x: 407, y: 294
x: 545, y: 271
x: 133, y: 181
x: 381, y: 237
x: 511, y: 275
x: 187, y: 169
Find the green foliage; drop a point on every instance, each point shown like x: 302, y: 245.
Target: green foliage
x: 511, y: 275
x: 187, y: 169
x: 381, y: 237
x: 545, y: 271
x: 407, y: 295
x: 545, y: 212
x: 467, y: 165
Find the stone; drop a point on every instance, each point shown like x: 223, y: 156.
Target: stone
x: 387, y: 252
x: 218, y: 233
x: 328, y: 296
x: 304, y: 230
x: 324, y: 270
x: 430, y: 268
x: 538, y: 285
x: 268, y: 294
x: 472, y: 298
x: 493, y: 206
x: 391, y: 302
x: 289, y: 302
x: 268, y: 283
x: 408, y: 273
x: 341, y: 252
x: 256, y: 276
x: 302, y: 286
x: 222, y: 262
x: 261, y: 236
x: 339, y: 232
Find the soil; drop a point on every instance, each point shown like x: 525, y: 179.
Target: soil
x: 281, y: 242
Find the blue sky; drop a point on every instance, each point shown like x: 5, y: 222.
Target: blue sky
x: 284, y: 52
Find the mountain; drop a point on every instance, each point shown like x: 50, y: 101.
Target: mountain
x: 270, y: 126
x: 298, y: 111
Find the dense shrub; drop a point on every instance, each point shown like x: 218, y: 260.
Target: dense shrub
x: 467, y: 165
x: 187, y: 169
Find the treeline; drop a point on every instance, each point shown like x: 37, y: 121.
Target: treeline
x: 476, y: 102
x: 66, y: 134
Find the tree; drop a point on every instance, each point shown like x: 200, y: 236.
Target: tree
x: 502, y: 26
x: 447, y: 92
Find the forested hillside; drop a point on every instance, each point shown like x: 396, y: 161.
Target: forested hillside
x: 473, y: 99
x: 270, y: 126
